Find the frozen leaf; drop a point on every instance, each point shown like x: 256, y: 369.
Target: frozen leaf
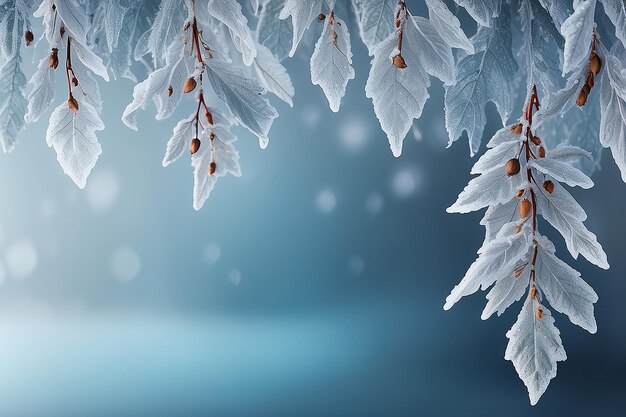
x: 562, y: 171
x: 302, y: 14
x: 273, y: 75
x: 562, y: 100
x: 272, y: 32
x: 484, y: 76
x: 113, y: 21
x: 229, y: 13
x: 577, y: 31
x: 559, y: 10
x: 507, y: 290
x: 73, y: 15
x: 167, y: 25
x: 616, y: 11
x: 331, y: 62
x: 434, y: 53
x: 73, y: 136
x: 497, y: 216
x: 497, y: 259
x: 496, y: 157
x: 180, y: 140
x: 376, y: 20
x: 483, y: 11
x: 448, y: 25
x: 534, y: 348
x: 12, y: 101
x: 41, y: 91
x: 565, y: 290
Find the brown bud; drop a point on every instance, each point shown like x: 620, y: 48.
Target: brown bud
x: 548, y: 186
x: 75, y: 81
x: 524, y: 208
x: 321, y: 16
x: 520, y: 193
x: 209, y: 117
x: 189, y: 85
x: 53, y: 60
x: 586, y: 89
x: 195, y: 145
x: 212, y: 136
x: 582, y: 98
x: 519, y: 270
x: 212, y: 168
x: 533, y: 293
x: 29, y: 37
x: 539, y: 313
x: 594, y: 63
x: 512, y: 167
x: 170, y: 91
x: 536, y: 140
x: 590, y: 80
x: 542, y: 152
x: 72, y: 103
x: 398, y: 61
x: 516, y: 129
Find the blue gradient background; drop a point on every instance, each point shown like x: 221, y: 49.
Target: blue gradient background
x: 308, y: 331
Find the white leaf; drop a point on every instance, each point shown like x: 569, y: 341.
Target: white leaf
x: 180, y: 140
x: 11, y: 29
x: 331, y: 62
x: 272, y: 32
x: 534, y: 348
x: 565, y: 215
x: 565, y: 290
x: 495, y: 157
x: 484, y: 76
x: 503, y: 135
x: 497, y: 216
x: 89, y: 88
x: 559, y: 10
x: 273, y: 75
x: 616, y: 11
x: 562, y: 100
x: 229, y: 13
x: 507, y: 291
x: 302, y: 14
x: 12, y: 101
x: 376, y: 20
x: 167, y: 25
x: 483, y: 11
x: 73, y: 15
x: 113, y: 21
x: 613, y: 111
x: 73, y: 136
x: 497, y: 259
x: 91, y: 60
x: 219, y: 150
x: 568, y: 153
x: 243, y: 96
x: 562, y: 172
x: 41, y: 91
x: 490, y: 188
x: 577, y: 31
x: 434, y: 53
x: 448, y: 25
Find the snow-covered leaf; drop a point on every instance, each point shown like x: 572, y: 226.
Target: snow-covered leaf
x: 376, y: 20
x: 273, y: 32
x: 73, y: 136
x: 448, y: 25
x: 616, y: 11
x: 229, y: 13
x: 113, y: 22
x: 167, y: 25
x: 534, y: 348
x: 41, y: 91
x: 495, y: 157
x: 577, y: 31
x: 497, y: 216
x: 483, y: 11
x: 12, y: 101
x: 180, y: 140
x: 507, y: 290
x: 273, y: 75
x: 562, y: 171
x: 434, y: 52
x: 331, y: 62
x: 484, y: 76
x: 302, y: 14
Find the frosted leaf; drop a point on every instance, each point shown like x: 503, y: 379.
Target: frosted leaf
x: 229, y: 13
x: 376, y: 20
x: 243, y: 97
x: 219, y: 150
x: 497, y: 259
x: 616, y: 11
x: 484, y: 76
x: 180, y: 140
x: 562, y: 172
x: 113, y: 21
x: 12, y: 18
x: 167, y: 25
x: 73, y: 136
x: 497, y: 216
x: 272, y: 32
x: 434, y: 53
x: 89, y: 88
x: 503, y: 135
x: 41, y: 91
x: 559, y: 10
x: 273, y: 75
x: 496, y: 157
x: 540, y: 41
x: 613, y: 111
x: 507, y: 291
x: 91, y: 60
x: 565, y: 290
x: 569, y: 153
x: 49, y: 16
x: 564, y: 214
x: 73, y: 15
x: 302, y: 14
x: 562, y: 100
x: 482, y: 11
x: 398, y: 94
x: 448, y: 26
x: 534, y: 348
x: 493, y: 187
x: 12, y: 101
x: 331, y: 62
x: 577, y: 31
x: 155, y: 87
